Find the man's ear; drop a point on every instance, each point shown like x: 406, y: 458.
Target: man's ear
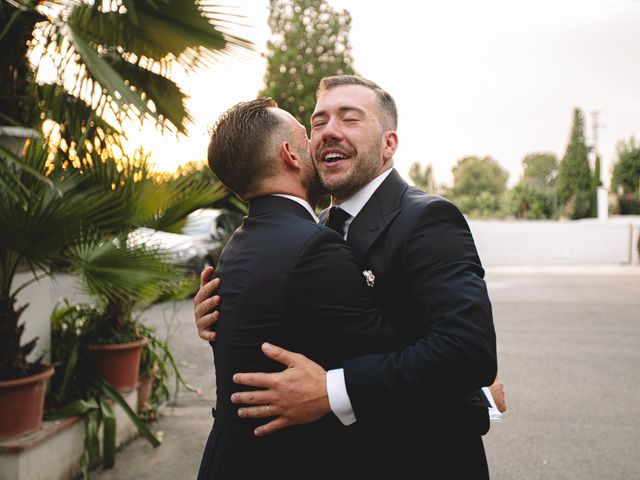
x: 390, y: 144
x: 289, y: 156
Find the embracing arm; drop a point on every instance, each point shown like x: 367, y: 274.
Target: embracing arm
x: 205, y: 304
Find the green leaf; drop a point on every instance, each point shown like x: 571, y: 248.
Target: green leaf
x: 108, y: 434
x: 91, y: 443
x: 116, y: 397
x: 78, y: 407
x: 79, y: 119
x: 16, y: 161
x: 69, y: 369
x: 110, y: 269
x: 168, y: 99
x: 107, y: 76
x: 163, y: 206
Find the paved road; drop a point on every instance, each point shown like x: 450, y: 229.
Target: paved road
x: 569, y: 350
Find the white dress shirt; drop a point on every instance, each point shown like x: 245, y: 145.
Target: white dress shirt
x: 339, y: 400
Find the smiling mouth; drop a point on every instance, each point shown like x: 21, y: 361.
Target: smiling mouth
x: 333, y: 157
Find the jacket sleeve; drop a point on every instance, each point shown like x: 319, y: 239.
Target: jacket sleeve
x: 330, y: 311
x: 456, y: 352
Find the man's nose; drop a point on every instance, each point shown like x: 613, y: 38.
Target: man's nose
x: 332, y: 131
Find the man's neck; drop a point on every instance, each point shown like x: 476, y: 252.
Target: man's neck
x: 298, y: 192
x: 339, y: 201
x: 356, y: 202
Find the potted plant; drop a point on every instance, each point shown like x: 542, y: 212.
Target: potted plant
x: 123, y: 277
x: 77, y: 391
x: 40, y: 219
x: 156, y: 364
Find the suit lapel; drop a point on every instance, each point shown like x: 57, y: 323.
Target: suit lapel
x: 376, y: 215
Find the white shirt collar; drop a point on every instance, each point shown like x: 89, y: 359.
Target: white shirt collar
x: 359, y: 200
x: 356, y: 203
x: 302, y: 202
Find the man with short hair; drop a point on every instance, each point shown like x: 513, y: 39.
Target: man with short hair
x: 287, y: 280
x: 428, y: 280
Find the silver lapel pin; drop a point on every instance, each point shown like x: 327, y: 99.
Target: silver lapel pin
x: 369, y: 277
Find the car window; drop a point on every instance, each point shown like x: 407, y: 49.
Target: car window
x: 197, y: 225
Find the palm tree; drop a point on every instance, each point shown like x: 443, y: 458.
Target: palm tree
x: 39, y: 222
x: 76, y: 222
x: 89, y: 66
x: 110, y: 61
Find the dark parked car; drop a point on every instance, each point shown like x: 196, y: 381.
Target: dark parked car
x: 203, y: 237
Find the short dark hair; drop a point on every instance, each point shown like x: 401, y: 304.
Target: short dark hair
x: 385, y: 100
x: 239, y: 145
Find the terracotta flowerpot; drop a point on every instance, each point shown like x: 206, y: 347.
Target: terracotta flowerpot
x: 118, y: 363
x: 145, y: 383
x: 22, y: 403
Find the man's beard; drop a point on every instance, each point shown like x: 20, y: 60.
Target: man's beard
x: 365, y: 170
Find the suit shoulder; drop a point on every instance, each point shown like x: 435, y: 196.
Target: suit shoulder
x: 295, y: 228
x: 320, y: 239
x: 416, y: 198
x: 417, y: 205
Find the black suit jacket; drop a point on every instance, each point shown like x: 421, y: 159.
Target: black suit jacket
x: 294, y: 283
x: 429, y: 284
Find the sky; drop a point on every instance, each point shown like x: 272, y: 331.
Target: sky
x: 497, y: 78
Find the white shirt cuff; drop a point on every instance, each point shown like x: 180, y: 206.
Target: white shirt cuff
x: 494, y: 413
x: 338, y: 397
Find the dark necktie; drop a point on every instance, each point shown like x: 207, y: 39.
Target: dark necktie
x: 337, y: 217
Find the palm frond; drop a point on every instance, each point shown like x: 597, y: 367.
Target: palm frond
x: 12, y: 168
x: 38, y: 227
x: 162, y: 206
x: 78, y: 117
x: 115, y: 269
x: 156, y: 30
x: 168, y: 99
x: 107, y: 77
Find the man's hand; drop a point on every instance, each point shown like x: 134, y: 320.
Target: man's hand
x: 204, y: 304
x: 295, y: 395
x: 497, y: 392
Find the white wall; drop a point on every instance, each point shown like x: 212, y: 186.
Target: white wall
x: 42, y: 296
x: 544, y: 243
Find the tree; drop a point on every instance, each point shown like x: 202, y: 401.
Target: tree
x: 109, y: 61
x: 526, y: 201
x: 626, y: 177
x: 574, y: 176
x: 474, y: 175
x: 535, y: 196
x: 479, y: 185
x: 626, y: 170
x: 422, y: 176
x: 540, y: 169
x: 310, y: 40
x: 78, y: 222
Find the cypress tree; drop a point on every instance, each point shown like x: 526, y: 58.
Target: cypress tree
x: 574, y: 176
x: 310, y: 40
